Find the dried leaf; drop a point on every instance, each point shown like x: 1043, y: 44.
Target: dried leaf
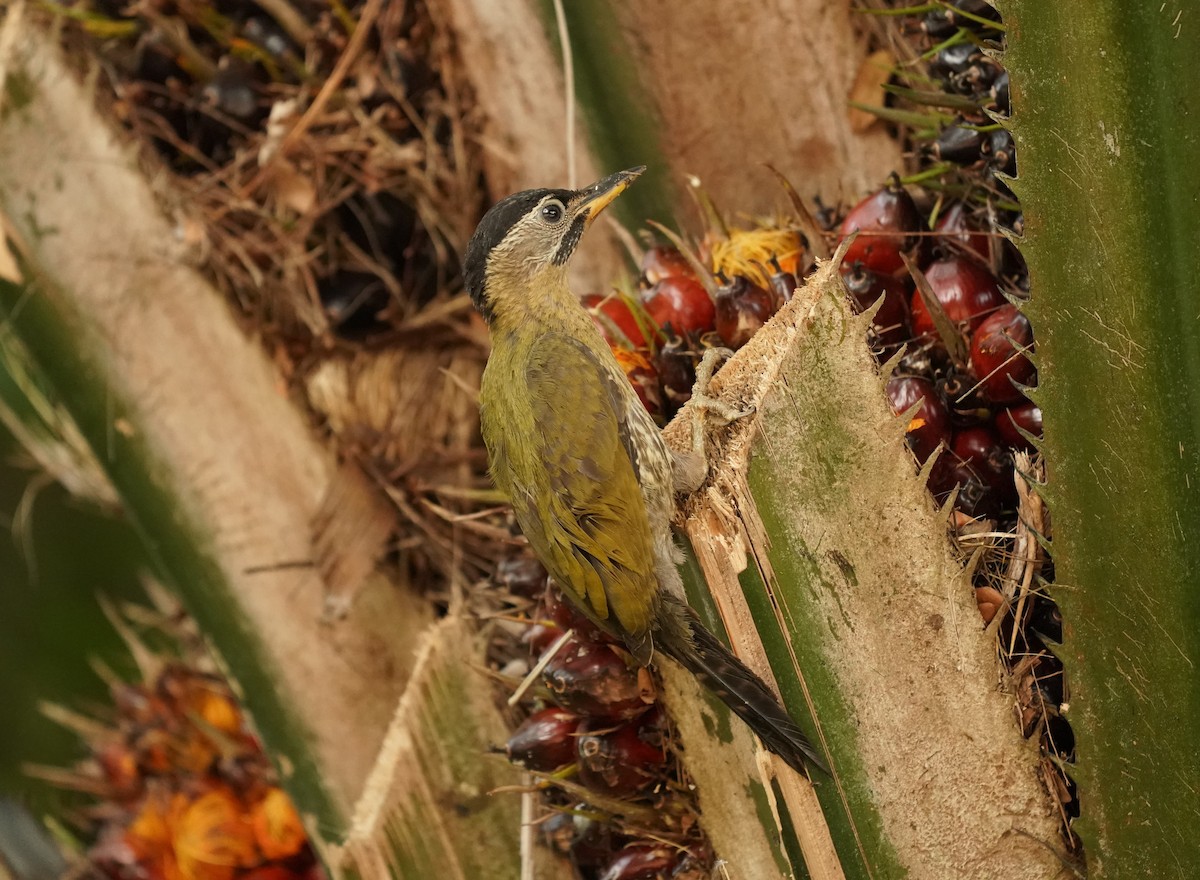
x: 873, y: 74
x: 291, y: 188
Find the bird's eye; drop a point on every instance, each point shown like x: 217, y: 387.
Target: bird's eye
x: 552, y: 212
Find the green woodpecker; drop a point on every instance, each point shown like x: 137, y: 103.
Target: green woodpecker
x: 590, y: 479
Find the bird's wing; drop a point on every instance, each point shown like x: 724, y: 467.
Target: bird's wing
x: 575, y: 491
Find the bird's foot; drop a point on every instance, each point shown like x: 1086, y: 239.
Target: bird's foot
x: 706, y: 409
x: 691, y: 468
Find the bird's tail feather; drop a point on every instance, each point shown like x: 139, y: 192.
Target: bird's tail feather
x: 704, y: 655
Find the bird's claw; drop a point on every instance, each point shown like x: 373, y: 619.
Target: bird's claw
x: 706, y: 408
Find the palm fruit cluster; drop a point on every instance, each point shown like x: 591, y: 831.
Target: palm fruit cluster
x: 183, y: 788
x: 616, y: 801
x: 685, y: 303
x: 318, y: 218
x: 966, y: 346
x: 978, y: 406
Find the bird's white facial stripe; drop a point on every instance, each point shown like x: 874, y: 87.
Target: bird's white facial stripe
x: 532, y: 242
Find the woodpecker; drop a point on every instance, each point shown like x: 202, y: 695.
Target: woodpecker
x: 591, y: 481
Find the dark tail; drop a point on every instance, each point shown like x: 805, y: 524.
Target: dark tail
x: 740, y: 689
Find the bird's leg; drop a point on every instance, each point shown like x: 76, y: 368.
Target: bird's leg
x: 691, y: 468
x: 705, y: 408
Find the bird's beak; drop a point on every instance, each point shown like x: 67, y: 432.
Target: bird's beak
x: 595, y: 198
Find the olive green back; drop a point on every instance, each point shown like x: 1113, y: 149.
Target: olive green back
x: 552, y: 424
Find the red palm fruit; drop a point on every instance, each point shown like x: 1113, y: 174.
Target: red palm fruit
x: 521, y: 575
x: 622, y: 761
x: 677, y: 373
x: 944, y: 22
x: 540, y: 636
x: 959, y: 145
x: 545, y: 741
x: 973, y: 444
x: 981, y: 449
x: 682, y: 303
x: 958, y: 390
x: 783, y: 282
x: 886, y: 221
x: 967, y: 292
x: 999, y: 94
x: 642, y: 861
x: 955, y: 225
x: 955, y: 59
x: 866, y: 287
x: 558, y: 832
x: 742, y: 308
x: 1001, y: 152
x: 930, y: 423
x: 1025, y: 416
x: 1046, y: 619
x: 996, y: 354
x: 677, y: 370
x: 588, y: 842
x: 591, y: 678
x: 566, y: 616
x: 695, y: 864
x: 974, y: 496
x: 614, y: 319
x: 665, y: 261
x: 1013, y: 269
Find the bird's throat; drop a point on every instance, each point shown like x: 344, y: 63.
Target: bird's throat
x: 523, y: 310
